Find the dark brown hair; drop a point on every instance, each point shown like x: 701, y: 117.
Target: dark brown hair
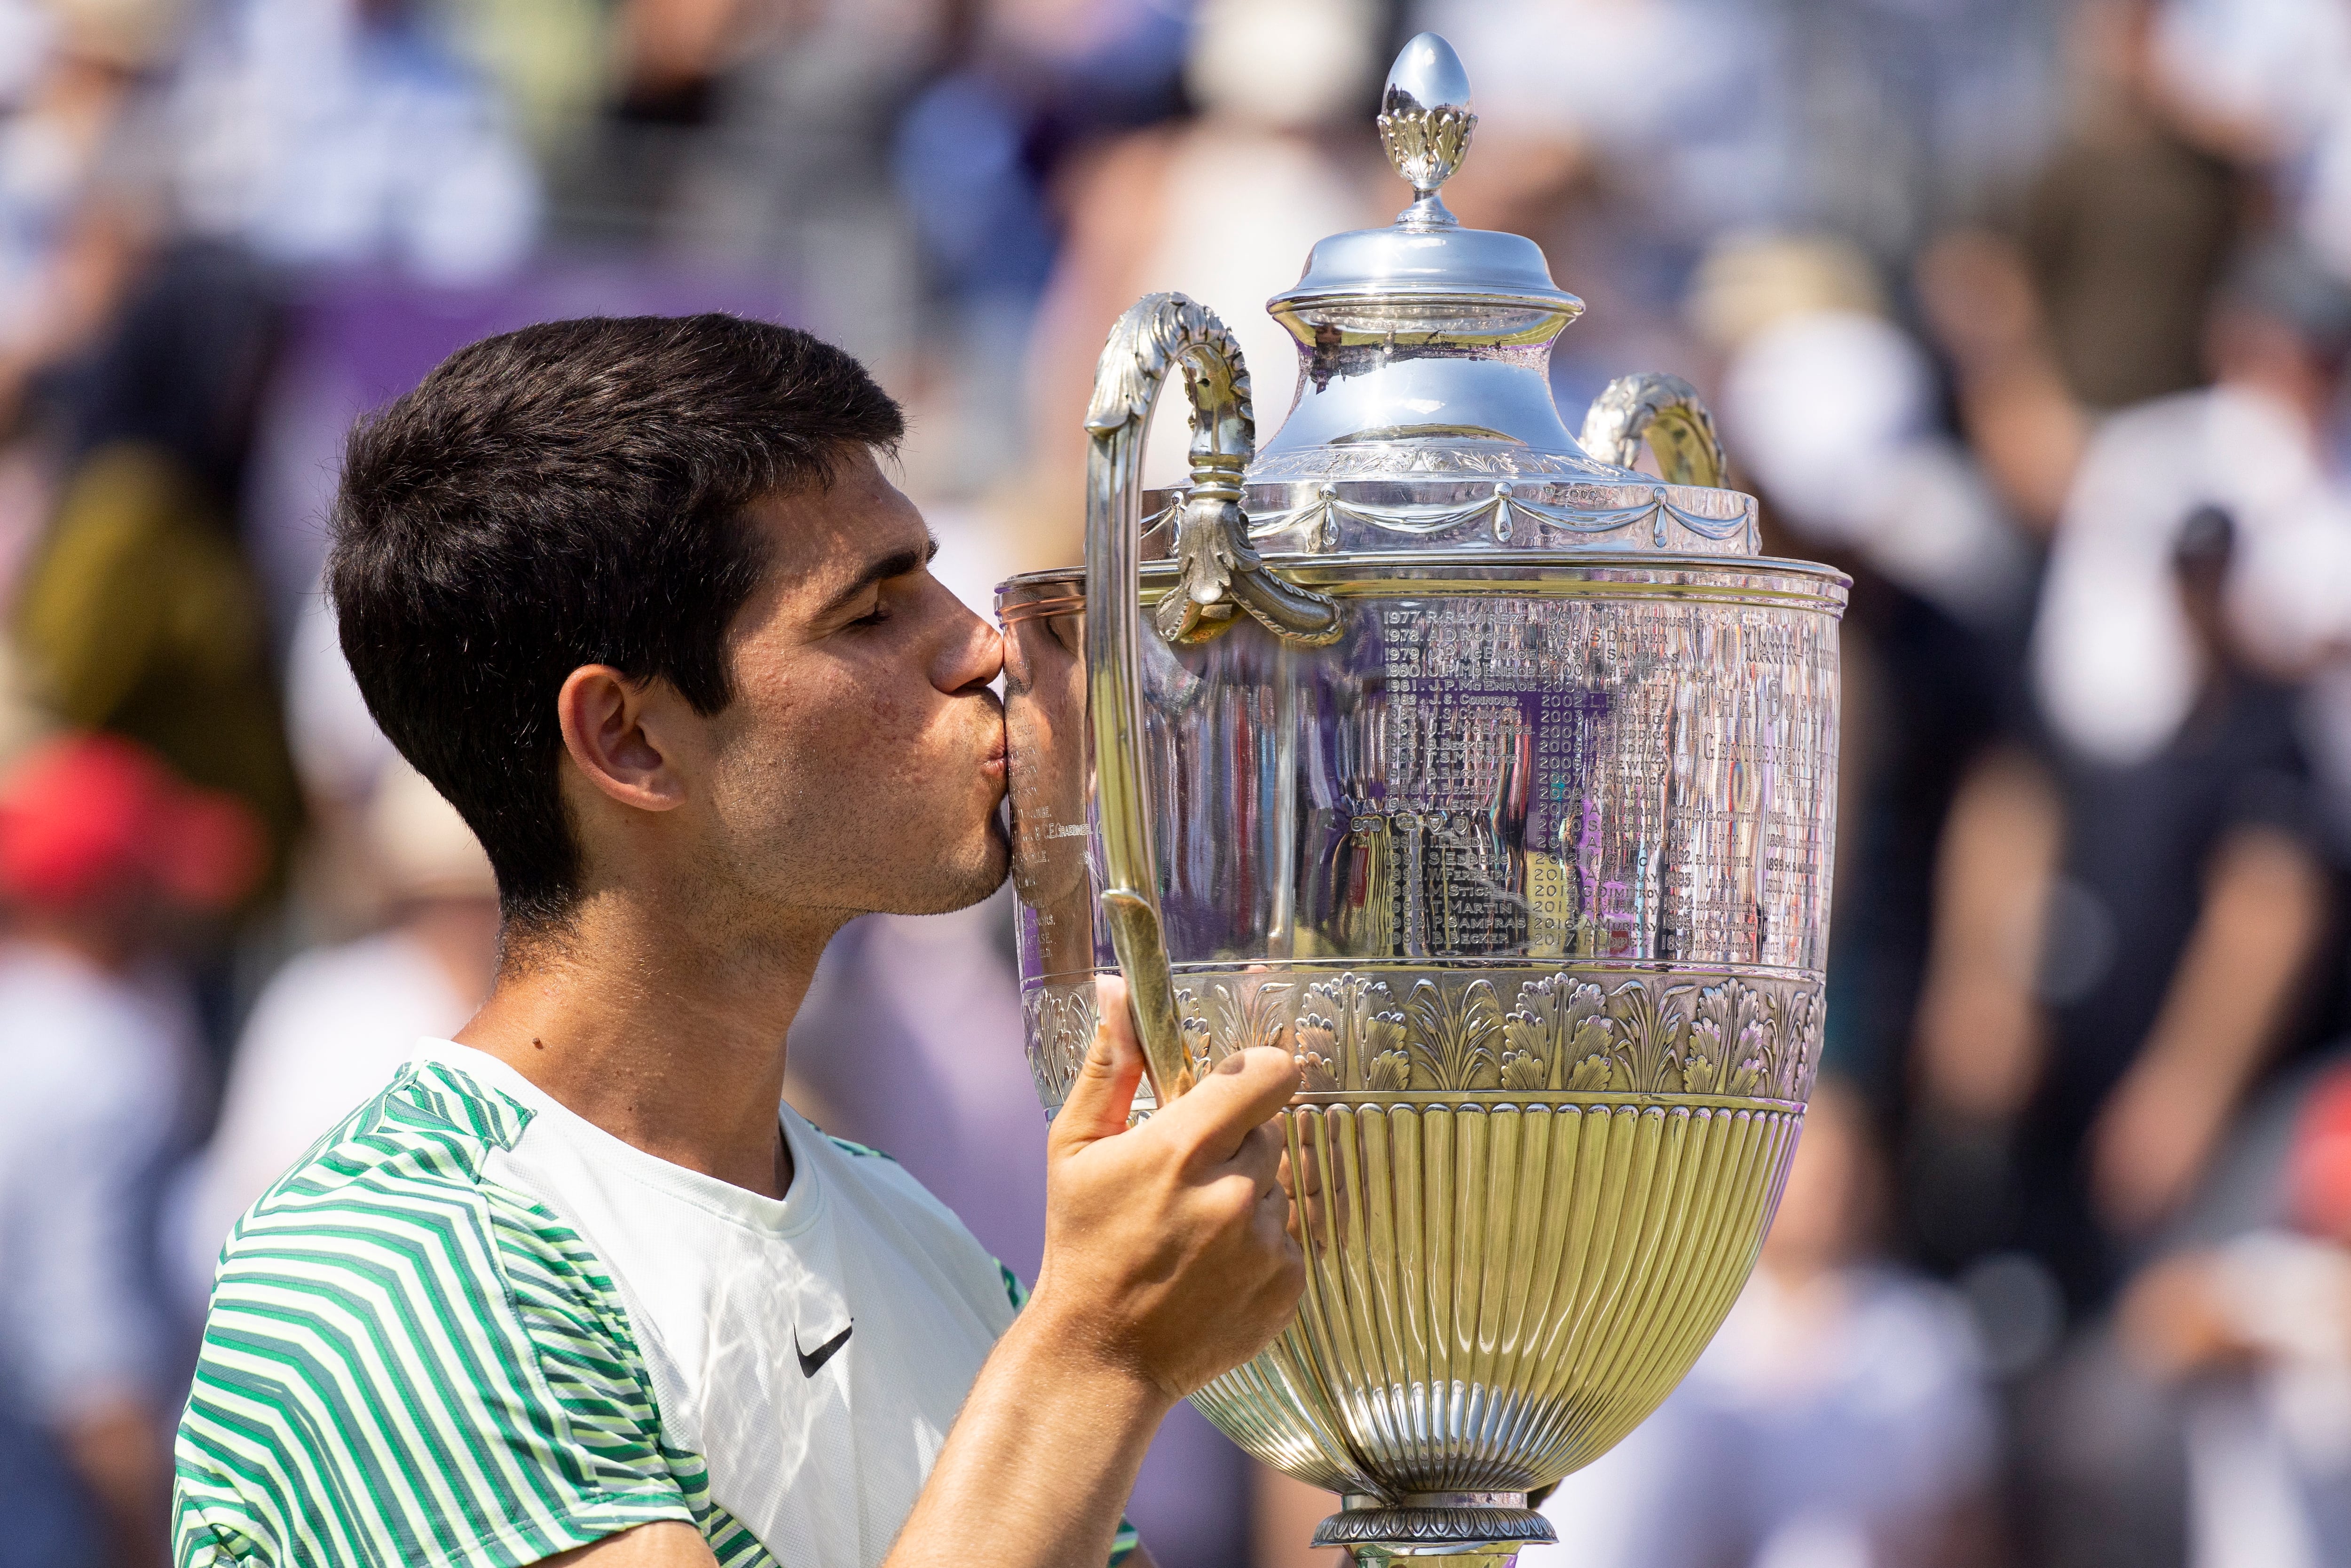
x: 570, y: 494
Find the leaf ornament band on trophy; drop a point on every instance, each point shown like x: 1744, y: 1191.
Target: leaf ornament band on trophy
x: 1492, y: 779
x: 1411, y: 1033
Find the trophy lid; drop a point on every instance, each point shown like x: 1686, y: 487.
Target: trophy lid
x: 1425, y: 333
x: 1426, y: 255
x: 1424, y: 417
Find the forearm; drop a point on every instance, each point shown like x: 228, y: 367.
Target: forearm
x: 2237, y: 980
x: 1979, y: 1040
x: 1038, y: 1469
x: 2234, y: 988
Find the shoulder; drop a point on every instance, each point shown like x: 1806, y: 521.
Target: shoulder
x: 406, y: 1362
x: 382, y: 1249
x: 419, y: 1145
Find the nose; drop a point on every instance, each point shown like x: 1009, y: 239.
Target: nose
x: 971, y: 656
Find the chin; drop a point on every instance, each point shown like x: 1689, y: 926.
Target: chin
x: 994, y: 865
x: 949, y: 884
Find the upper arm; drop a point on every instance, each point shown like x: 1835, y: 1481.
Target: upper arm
x: 663, y: 1545
x: 393, y: 1374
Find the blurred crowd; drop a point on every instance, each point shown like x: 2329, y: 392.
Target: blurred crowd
x: 2032, y: 315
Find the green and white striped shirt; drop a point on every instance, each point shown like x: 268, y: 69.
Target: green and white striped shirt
x: 471, y: 1328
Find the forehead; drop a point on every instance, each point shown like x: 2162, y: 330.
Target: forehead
x: 820, y: 537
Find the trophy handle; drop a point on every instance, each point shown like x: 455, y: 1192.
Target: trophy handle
x: 1218, y: 572
x: 1665, y: 413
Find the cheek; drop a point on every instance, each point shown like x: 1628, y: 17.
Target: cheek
x: 842, y: 746
x: 845, y: 737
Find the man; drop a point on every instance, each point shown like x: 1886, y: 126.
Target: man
x: 637, y: 596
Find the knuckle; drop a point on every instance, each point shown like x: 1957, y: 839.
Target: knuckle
x: 1234, y: 1204
x: 1195, y: 1142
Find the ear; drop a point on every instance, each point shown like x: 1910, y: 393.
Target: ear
x: 614, y: 729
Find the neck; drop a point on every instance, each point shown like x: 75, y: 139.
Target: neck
x: 672, y: 1044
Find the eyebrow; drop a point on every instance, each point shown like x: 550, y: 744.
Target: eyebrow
x: 898, y: 563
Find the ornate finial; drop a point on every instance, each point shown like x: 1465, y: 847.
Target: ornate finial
x: 1425, y: 120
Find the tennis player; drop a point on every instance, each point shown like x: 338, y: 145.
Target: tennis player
x: 638, y: 597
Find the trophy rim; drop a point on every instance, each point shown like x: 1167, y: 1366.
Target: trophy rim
x: 1543, y: 572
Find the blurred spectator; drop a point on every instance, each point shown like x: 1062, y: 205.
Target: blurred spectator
x: 78, y: 208
x: 2129, y: 227
x: 2022, y: 421
x: 2207, y: 1425
x: 2265, y: 77
x: 2065, y: 910
x: 1029, y: 92
x: 2256, y: 1333
x: 1831, y: 408
x: 138, y: 612
x: 101, y: 852
x: 1224, y: 208
x: 348, y: 131
x: 1841, y: 1416
x: 333, y: 1024
x: 2114, y: 663
x: 2134, y: 950
x: 757, y: 137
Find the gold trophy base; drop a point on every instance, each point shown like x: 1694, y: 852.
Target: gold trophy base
x: 1436, y: 1529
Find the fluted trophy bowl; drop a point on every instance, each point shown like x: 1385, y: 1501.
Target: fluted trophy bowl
x: 1493, y: 779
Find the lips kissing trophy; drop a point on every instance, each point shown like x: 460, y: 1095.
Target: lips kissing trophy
x: 1492, y: 778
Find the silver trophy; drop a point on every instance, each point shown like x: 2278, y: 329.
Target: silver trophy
x: 1493, y: 779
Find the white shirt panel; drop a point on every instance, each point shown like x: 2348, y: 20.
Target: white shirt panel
x: 734, y: 1296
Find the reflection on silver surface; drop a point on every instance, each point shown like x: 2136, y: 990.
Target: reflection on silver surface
x: 1609, y: 762
x: 1663, y: 413
x: 1499, y: 791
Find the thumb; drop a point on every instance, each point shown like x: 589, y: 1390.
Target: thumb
x: 1102, y: 1097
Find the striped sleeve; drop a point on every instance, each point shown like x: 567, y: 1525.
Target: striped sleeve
x: 400, y: 1367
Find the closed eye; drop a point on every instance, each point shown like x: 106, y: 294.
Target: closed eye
x: 903, y: 563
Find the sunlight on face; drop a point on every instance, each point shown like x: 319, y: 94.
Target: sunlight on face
x: 860, y: 764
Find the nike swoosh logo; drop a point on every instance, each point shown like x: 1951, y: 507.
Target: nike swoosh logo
x: 812, y: 1362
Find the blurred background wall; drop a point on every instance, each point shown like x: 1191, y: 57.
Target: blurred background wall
x: 2032, y: 315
